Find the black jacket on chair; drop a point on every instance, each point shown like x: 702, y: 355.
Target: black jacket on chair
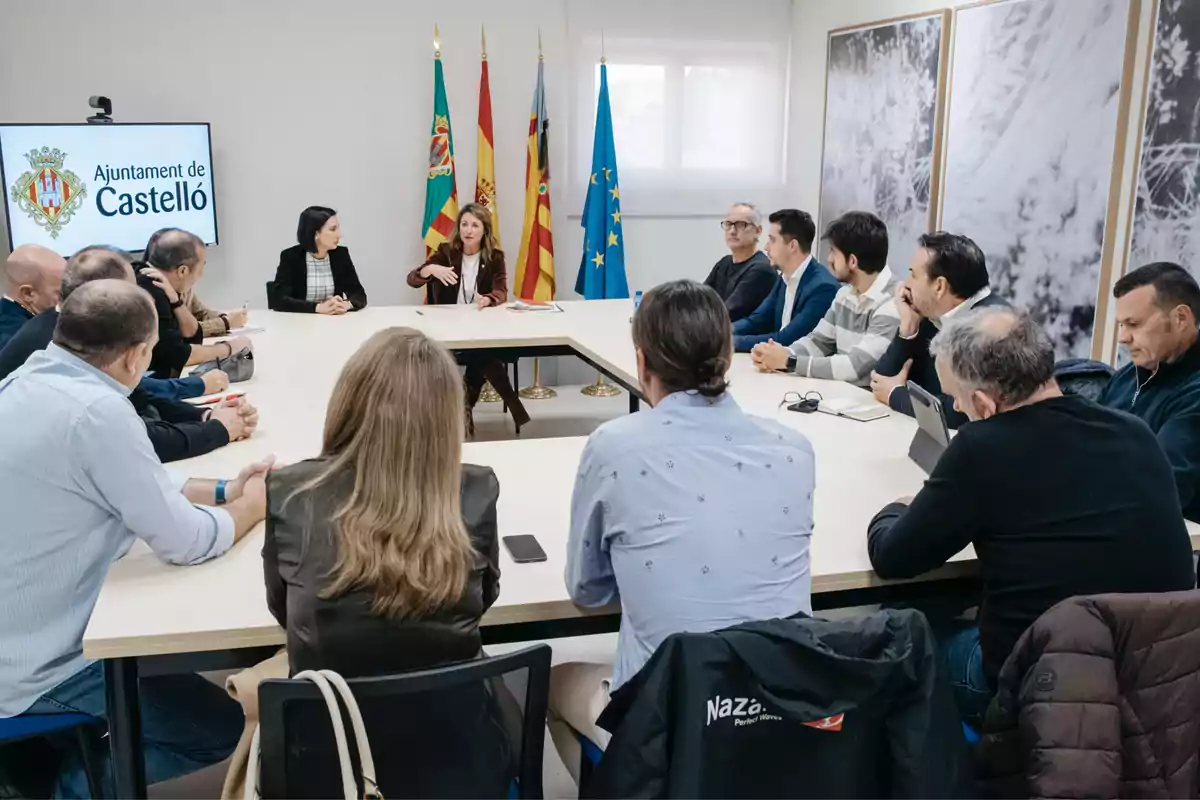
x: 291, y: 281
x: 787, y: 708
x: 343, y: 633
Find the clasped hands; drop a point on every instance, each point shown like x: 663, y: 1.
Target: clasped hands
x: 334, y: 306
x: 238, y: 416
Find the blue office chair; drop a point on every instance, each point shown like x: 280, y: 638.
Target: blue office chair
x: 36, y: 726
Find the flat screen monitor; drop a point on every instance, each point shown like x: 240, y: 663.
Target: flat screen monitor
x: 69, y: 186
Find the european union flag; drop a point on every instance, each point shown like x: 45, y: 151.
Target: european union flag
x: 602, y: 268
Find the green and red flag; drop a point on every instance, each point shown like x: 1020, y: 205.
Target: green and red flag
x: 441, y: 192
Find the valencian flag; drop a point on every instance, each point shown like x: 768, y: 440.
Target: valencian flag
x: 602, y: 269
x: 441, y: 194
x: 535, y: 264
x: 485, y: 168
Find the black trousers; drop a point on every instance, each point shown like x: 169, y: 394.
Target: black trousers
x: 483, y: 367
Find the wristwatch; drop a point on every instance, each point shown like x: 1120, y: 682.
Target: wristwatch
x: 178, y: 303
x: 225, y: 321
x: 220, y: 492
x: 791, y: 364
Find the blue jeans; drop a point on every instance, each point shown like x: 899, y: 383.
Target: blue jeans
x: 187, y: 723
x: 963, y: 657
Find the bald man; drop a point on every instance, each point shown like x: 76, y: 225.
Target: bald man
x: 33, y: 275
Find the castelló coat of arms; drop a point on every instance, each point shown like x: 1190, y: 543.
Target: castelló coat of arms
x: 49, y: 194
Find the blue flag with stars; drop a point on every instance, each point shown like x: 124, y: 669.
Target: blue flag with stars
x: 602, y: 268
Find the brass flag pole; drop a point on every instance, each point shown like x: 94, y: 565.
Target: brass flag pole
x: 600, y: 388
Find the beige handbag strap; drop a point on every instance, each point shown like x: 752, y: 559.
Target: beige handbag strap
x: 365, y: 759
x: 327, y: 682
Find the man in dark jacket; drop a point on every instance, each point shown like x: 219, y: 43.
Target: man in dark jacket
x: 1158, y: 306
x: 802, y: 294
x: 1065, y: 725
x: 174, y: 263
x: 1059, y: 496
x: 32, y: 275
x: 787, y: 708
x: 948, y: 276
x: 745, y: 277
x: 176, y: 430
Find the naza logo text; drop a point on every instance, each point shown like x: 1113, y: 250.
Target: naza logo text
x: 744, y: 710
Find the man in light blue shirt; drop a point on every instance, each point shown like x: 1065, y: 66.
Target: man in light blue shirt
x: 693, y: 515
x: 79, y: 482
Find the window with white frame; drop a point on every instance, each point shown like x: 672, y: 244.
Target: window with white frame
x: 698, y: 120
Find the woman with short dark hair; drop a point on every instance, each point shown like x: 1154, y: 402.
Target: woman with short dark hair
x: 316, y: 276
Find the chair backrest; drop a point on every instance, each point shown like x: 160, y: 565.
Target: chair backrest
x: 446, y: 732
x: 1082, y: 376
x: 270, y: 295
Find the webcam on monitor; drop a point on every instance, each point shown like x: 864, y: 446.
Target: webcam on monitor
x: 104, y: 105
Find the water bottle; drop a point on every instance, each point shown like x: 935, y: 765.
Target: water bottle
x: 637, y: 301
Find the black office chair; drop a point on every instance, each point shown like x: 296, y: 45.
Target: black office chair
x: 270, y: 295
x: 445, y: 732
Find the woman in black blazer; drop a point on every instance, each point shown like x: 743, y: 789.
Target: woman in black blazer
x: 334, y: 287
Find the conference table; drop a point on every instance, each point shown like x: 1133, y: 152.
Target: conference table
x: 153, y: 618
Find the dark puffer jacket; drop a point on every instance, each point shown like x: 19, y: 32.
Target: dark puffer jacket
x: 1100, y: 698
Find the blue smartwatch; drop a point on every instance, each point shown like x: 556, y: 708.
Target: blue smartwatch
x: 220, y: 492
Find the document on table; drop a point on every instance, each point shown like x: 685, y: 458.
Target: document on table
x: 533, y: 305
x: 246, y: 330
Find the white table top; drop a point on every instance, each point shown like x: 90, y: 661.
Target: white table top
x: 150, y: 608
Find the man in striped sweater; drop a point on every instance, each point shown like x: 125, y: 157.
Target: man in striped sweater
x: 861, y: 323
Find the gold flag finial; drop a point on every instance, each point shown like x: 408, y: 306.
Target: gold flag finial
x: 483, y: 41
x: 603, y: 59
x: 437, y: 42
x: 540, y: 56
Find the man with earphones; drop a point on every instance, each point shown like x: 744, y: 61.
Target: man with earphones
x: 1157, y: 310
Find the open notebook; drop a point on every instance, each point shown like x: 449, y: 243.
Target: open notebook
x: 864, y: 410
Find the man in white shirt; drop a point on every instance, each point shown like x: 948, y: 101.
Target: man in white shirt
x: 948, y: 276
x: 862, y: 321
x: 79, y: 482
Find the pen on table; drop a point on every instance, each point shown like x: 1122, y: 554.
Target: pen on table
x: 420, y: 313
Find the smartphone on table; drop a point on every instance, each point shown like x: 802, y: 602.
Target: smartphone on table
x: 524, y: 549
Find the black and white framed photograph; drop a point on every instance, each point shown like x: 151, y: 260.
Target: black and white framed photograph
x: 883, y: 99
x: 1166, y: 217
x: 1035, y: 87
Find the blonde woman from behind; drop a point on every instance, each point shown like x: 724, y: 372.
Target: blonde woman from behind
x: 381, y: 554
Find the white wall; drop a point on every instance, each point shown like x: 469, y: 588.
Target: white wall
x: 308, y: 100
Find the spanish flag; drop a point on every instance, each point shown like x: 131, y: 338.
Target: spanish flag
x: 535, y: 264
x: 441, y: 193
x: 485, y: 168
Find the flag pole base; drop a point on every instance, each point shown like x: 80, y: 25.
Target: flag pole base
x: 488, y: 395
x: 600, y: 389
x: 536, y: 391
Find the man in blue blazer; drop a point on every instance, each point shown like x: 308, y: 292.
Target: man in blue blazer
x: 801, y: 296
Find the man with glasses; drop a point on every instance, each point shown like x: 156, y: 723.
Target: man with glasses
x: 743, y: 278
